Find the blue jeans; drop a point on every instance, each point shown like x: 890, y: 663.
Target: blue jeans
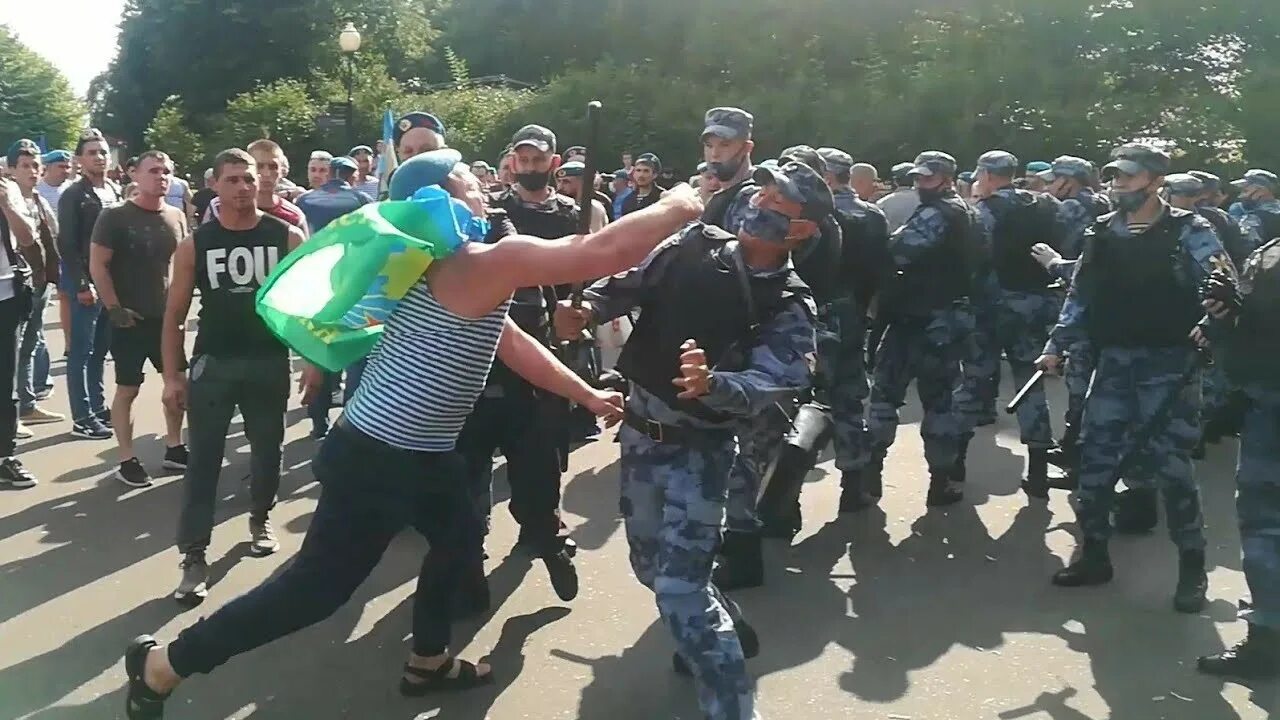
x: 90, y: 339
x: 33, y: 355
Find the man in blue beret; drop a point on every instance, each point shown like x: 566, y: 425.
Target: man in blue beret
x: 57, y: 176
x: 417, y: 132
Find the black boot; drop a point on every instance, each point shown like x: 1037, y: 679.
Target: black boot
x: 1257, y: 657
x: 942, y: 490
x: 741, y: 564
x: 1093, y: 567
x: 873, y: 478
x: 852, y: 496
x: 962, y: 456
x: 1036, y: 484
x: 746, y: 636
x: 1136, y: 512
x: 1192, y: 582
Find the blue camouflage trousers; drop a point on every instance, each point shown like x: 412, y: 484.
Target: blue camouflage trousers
x: 975, y: 396
x: 1079, y: 370
x: 928, y: 350
x: 672, y: 504
x: 1216, y: 389
x: 842, y: 365
x: 1258, y: 506
x: 1128, y: 386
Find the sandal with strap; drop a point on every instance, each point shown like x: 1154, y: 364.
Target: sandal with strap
x: 141, y: 703
x: 439, y: 680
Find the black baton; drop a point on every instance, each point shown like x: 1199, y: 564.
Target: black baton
x: 588, y: 192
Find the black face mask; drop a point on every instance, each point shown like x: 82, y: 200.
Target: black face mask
x: 534, y: 181
x: 724, y: 170
x: 928, y: 196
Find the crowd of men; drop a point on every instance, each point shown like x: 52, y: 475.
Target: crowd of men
x: 777, y: 307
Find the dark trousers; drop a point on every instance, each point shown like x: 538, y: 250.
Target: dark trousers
x: 529, y: 430
x: 10, y: 320
x: 371, y: 491
x: 259, y: 386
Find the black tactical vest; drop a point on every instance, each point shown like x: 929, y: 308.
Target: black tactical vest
x: 1020, y: 222
x: 864, y: 257
x: 817, y: 262
x: 701, y: 297
x: 1270, y: 225
x: 1133, y: 290
x: 529, y: 308
x: 1249, y: 354
x: 943, y: 274
x: 230, y: 267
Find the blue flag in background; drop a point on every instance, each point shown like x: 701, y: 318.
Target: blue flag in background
x: 387, y: 159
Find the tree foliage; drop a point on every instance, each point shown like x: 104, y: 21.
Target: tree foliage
x: 169, y: 132
x: 35, y: 98
x: 882, y: 80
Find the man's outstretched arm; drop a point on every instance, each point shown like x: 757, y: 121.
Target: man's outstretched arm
x: 480, y: 277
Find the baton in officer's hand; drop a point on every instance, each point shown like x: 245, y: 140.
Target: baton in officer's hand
x: 1018, y: 399
x: 587, y: 193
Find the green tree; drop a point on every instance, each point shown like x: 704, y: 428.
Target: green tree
x: 35, y: 98
x: 475, y: 118
x: 168, y: 131
x: 283, y: 111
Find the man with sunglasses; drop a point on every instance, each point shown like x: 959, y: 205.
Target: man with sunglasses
x: 1135, y: 295
x: 726, y: 330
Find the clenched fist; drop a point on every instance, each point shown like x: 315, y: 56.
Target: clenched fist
x: 695, y: 376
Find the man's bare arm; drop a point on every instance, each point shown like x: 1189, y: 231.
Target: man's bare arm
x: 530, y: 360
x: 100, y: 271
x: 181, y: 288
x: 480, y: 277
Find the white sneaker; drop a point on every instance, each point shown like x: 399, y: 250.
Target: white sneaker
x: 23, y: 432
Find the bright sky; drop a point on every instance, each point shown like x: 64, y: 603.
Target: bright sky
x: 35, y: 27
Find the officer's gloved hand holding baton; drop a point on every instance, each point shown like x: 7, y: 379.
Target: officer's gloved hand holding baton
x: 1045, y: 255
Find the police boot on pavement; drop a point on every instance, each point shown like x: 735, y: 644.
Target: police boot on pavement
x: 725, y: 332
x: 1136, y: 296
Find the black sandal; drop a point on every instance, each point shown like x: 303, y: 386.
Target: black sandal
x: 438, y: 680
x: 141, y: 703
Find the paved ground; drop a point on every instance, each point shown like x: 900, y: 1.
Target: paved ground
x: 890, y: 614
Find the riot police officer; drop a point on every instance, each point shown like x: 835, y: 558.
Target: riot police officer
x: 1024, y: 306
x: 1068, y: 179
x: 1135, y: 295
x: 925, y: 307
x: 1257, y: 208
x: 730, y: 321
x: 528, y: 425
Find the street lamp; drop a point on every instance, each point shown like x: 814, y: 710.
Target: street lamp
x: 349, y: 43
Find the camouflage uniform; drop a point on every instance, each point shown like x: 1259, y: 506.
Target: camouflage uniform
x: 1258, y: 483
x: 673, y: 491
x: 1022, y: 319
x: 1128, y: 385
x: 1259, y: 219
x: 924, y: 346
x: 1076, y: 215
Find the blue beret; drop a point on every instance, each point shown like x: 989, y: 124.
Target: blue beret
x: 54, y: 156
x: 343, y: 161
x: 416, y: 120
x: 419, y: 171
x: 21, y: 146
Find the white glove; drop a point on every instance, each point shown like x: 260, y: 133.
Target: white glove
x: 1045, y: 255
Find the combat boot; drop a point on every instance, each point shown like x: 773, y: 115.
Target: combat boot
x: 942, y: 490
x: 741, y: 563
x: 873, y: 478
x: 1256, y: 657
x: 1036, y: 484
x: 1192, y: 582
x: 1093, y: 567
x: 1135, y: 512
x: 853, y: 497
x: 962, y: 456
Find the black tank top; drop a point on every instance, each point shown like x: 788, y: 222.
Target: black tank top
x: 230, y: 267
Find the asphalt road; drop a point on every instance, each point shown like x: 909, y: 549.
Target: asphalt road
x: 894, y: 613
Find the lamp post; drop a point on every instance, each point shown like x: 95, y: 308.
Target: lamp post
x: 349, y: 43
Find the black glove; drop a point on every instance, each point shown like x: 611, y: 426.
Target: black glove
x: 1221, y: 286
